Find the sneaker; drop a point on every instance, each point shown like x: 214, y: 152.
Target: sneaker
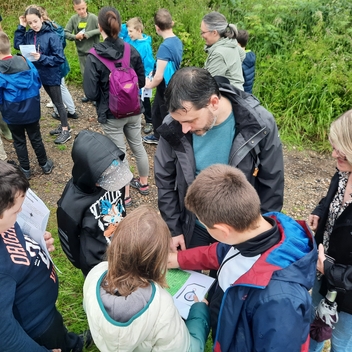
x: 150, y: 139
x: 55, y: 116
x: 72, y: 116
x: 51, y: 105
x: 148, y: 128
x: 63, y: 137
x: 85, y: 99
x: 58, y: 130
x: 128, y: 202
x: 143, y: 189
x: 48, y: 167
x: 27, y: 173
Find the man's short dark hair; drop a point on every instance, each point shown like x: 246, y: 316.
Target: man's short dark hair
x: 12, y: 182
x: 242, y: 37
x: 190, y: 84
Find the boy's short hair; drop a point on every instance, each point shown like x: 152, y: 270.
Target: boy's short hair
x: 163, y: 19
x: 12, y: 182
x: 242, y: 37
x: 77, y: 2
x: 135, y: 23
x: 5, y: 46
x: 222, y: 194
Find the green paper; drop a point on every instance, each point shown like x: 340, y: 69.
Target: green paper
x: 176, y: 278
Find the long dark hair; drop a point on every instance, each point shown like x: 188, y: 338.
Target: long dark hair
x: 109, y: 20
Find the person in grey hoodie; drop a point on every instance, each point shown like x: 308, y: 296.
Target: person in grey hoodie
x: 224, y: 55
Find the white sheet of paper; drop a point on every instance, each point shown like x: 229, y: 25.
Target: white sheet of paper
x: 146, y: 93
x: 26, y: 50
x: 33, y: 219
x: 198, y: 284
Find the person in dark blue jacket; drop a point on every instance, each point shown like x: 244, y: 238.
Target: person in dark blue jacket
x: 48, y: 58
x: 266, y: 266
x: 28, y: 281
x: 20, y: 106
x: 248, y: 64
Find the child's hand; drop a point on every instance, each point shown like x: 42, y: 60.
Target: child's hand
x: 172, y: 261
x: 79, y: 36
x: 35, y: 56
x: 49, y: 241
x: 195, y: 299
x: 23, y: 21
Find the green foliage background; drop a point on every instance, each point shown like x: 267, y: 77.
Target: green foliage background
x: 303, y: 75
x: 303, y: 50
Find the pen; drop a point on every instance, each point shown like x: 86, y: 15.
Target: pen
x: 38, y: 48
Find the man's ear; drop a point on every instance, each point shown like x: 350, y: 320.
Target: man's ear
x: 214, y: 102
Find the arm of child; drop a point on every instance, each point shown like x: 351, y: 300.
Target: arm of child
x: 159, y: 74
x: 20, y: 36
x: 69, y: 29
x: 198, y: 325
x: 199, y: 258
x: 92, y: 33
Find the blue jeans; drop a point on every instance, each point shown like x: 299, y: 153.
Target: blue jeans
x: 341, y: 340
x: 66, y: 98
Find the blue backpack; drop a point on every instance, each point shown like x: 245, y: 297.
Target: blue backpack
x: 65, y: 67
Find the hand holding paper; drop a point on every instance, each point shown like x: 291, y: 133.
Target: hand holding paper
x: 29, y: 52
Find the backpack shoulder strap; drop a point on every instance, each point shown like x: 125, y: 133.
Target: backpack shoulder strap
x: 108, y: 63
x: 126, y: 58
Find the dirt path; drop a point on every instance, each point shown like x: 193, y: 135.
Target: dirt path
x: 307, y: 174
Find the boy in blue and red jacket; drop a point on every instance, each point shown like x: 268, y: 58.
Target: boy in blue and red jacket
x: 266, y: 266
x: 20, y: 106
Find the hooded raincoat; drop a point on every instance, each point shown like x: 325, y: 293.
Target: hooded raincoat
x: 87, y: 214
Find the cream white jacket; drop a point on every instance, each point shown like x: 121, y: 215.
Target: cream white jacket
x: 157, y: 327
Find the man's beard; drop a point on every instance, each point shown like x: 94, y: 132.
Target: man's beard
x: 210, y: 124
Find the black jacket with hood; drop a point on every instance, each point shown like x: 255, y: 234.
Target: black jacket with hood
x: 84, y: 226
x: 96, y: 74
x: 256, y: 150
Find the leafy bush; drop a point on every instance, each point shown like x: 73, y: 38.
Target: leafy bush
x: 303, y: 50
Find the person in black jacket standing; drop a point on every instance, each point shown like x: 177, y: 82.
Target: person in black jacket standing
x: 212, y: 122
x: 96, y: 88
x: 331, y: 220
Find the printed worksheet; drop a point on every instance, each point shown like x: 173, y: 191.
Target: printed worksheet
x: 184, y: 284
x: 33, y: 218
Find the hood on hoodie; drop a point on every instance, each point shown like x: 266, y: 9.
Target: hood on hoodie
x: 92, y: 154
x: 17, y: 73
